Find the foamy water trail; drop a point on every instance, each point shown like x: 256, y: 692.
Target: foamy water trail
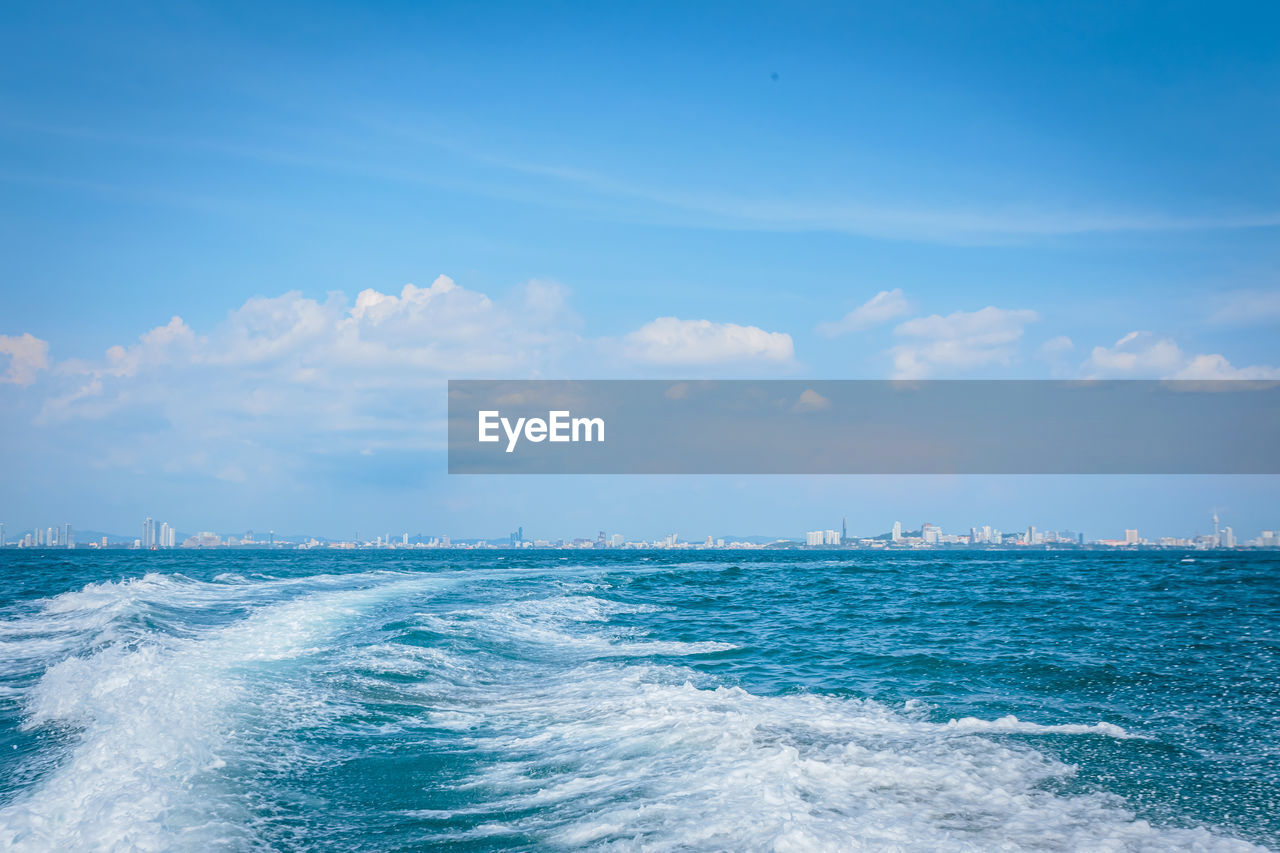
x: 641, y: 757
x: 155, y: 715
x: 182, y: 703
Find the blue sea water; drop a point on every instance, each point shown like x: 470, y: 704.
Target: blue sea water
x: 639, y: 701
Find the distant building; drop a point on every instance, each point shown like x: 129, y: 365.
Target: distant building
x: 202, y: 540
x: 813, y: 537
x: 1130, y: 536
x: 897, y: 531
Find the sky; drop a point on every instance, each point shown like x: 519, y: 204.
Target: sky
x: 243, y: 247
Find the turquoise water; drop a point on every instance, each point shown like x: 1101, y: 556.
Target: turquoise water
x: 639, y: 700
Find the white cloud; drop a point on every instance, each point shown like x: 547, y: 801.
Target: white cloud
x: 1136, y: 353
x: 1247, y: 308
x: 289, y: 379
x: 960, y: 341
x: 881, y: 308
x: 671, y: 341
x: 28, y: 355
x: 295, y: 366
x: 1215, y: 366
x: 811, y: 401
x: 1056, y: 347
x: 1144, y: 355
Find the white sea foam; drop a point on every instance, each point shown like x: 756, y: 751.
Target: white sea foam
x: 553, y: 623
x: 641, y: 763
x: 637, y: 756
x: 1012, y: 724
x: 155, y: 718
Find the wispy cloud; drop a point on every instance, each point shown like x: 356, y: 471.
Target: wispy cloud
x: 881, y: 308
x: 688, y: 205
x: 1247, y: 308
x: 959, y: 341
x: 868, y: 217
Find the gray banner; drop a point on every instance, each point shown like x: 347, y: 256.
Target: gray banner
x: 863, y: 427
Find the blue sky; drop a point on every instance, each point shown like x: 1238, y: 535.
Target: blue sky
x: 950, y: 190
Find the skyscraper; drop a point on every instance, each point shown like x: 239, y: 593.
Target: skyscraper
x: 68, y: 538
x: 148, y: 533
x: 897, y: 531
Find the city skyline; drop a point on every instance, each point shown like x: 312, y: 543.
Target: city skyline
x: 164, y: 537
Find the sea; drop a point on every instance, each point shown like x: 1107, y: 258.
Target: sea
x: 492, y: 700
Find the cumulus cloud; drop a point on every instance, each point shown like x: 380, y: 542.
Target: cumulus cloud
x: 811, y: 401
x: 963, y: 340
x: 28, y: 355
x: 1136, y: 353
x: 296, y: 383
x: 671, y: 341
x: 291, y: 374
x: 1247, y: 308
x: 1144, y: 355
x: 881, y: 308
x: 1215, y: 366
